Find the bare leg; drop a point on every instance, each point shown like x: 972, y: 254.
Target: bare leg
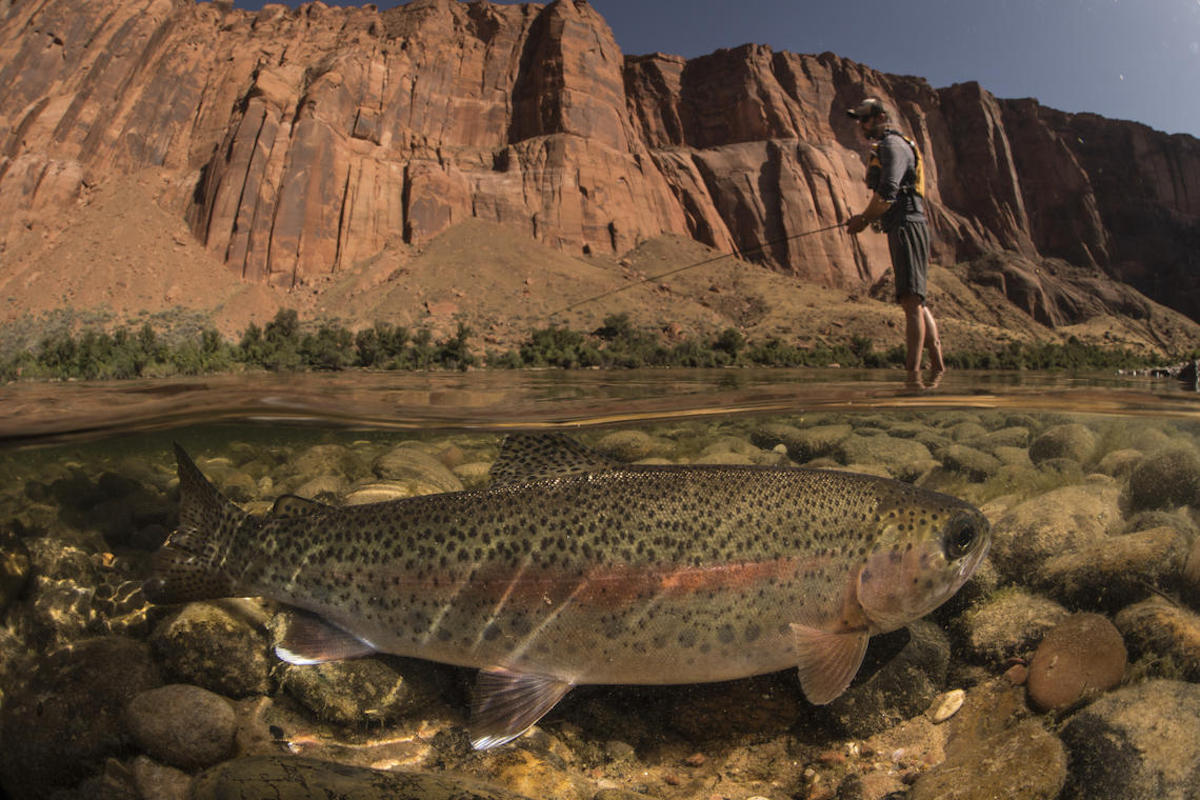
x: 933, y: 341
x: 914, y: 332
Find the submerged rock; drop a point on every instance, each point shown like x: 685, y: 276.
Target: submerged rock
x: 377, y: 492
x: 415, y: 469
x: 287, y: 778
x: 1082, y: 656
x: 473, y: 474
x: 1012, y: 436
x: 1116, y: 571
x: 359, y: 690
x: 1011, y: 623
x: 905, y: 459
x: 803, y: 444
x: 69, y: 719
x: 1120, y: 463
x: 1167, y: 632
x: 328, y: 459
x: 630, y: 445
x: 154, y: 780
x: 1071, y: 441
x: 181, y: 725
x: 1056, y: 522
x: 1167, y: 478
x: 1025, y: 762
x: 976, y: 465
x: 1141, y: 742
x: 205, y: 645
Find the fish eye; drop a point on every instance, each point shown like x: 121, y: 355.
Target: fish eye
x: 960, y: 538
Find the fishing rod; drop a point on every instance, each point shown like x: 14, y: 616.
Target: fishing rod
x: 668, y: 273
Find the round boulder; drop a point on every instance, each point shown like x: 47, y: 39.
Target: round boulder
x: 349, y: 692
x: 1165, y: 631
x: 1056, y: 522
x: 181, y: 725
x: 1011, y: 623
x: 1116, y: 571
x: 1081, y: 656
x: 905, y: 459
x: 1167, y: 478
x: 803, y: 444
x: 423, y: 473
x: 976, y: 465
x: 1120, y: 463
x: 630, y: 445
x: 206, y: 645
x: 1072, y: 441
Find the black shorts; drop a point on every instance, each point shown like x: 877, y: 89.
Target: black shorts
x: 909, y: 246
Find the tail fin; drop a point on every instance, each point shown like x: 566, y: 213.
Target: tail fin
x: 191, y: 564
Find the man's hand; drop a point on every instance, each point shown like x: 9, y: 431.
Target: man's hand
x: 856, y: 225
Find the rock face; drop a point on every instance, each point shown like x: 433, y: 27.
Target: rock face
x: 304, y: 141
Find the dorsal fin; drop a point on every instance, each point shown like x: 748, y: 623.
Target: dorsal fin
x: 536, y: 456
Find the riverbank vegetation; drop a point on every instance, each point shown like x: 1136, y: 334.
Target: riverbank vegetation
x: 71, y: 351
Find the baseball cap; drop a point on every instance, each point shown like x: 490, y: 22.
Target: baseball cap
x: 869, y: 107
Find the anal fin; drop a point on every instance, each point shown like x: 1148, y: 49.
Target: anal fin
x: 307, y: 639
x: 507, y: 703
x: 827, y: 662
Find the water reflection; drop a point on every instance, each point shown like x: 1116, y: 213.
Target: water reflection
x: 492, y: 399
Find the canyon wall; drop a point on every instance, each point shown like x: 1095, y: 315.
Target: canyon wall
x: 305, y: 141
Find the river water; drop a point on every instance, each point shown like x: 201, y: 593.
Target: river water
x: 88, y: 491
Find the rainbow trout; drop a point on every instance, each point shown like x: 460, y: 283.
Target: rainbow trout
x: 570, y: 568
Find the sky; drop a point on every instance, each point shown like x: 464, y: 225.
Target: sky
x: 1125, y: 59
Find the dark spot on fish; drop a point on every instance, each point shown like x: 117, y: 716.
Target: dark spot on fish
x: 444, y: 635
x: 752, y: 632
x: 725, y: 634
x: 491, y: 632
x: 687, y: 638
x: 705, y: 648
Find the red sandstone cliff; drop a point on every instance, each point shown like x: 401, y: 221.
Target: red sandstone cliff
x: 303, y: 141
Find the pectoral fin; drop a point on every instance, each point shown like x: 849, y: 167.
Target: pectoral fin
x: 507, y: 703
x: 827, y: 662
x: 307, y: 639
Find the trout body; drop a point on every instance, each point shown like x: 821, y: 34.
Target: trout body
x: 570, y: 569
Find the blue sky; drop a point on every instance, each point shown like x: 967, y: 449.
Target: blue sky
x: 1126, y: 59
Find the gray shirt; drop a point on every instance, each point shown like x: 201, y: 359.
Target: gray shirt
x: 898, y: 167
